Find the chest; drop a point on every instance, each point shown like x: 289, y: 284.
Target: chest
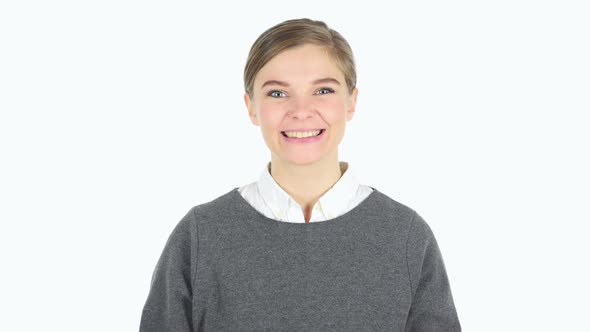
x: 346, y: 282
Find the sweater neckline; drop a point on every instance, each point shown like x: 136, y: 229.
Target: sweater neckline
x: 337, y: 220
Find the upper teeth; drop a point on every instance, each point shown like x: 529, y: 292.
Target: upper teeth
x: 300, y: 134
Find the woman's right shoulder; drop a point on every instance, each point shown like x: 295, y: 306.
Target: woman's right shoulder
x: 212, y: 209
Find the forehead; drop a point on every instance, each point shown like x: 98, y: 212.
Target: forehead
x: 301, y: 64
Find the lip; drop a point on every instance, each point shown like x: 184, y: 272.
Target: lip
x: 305, y: 139
x: 303, y: 129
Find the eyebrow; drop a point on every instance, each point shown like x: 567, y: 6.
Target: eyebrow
x: 321, y: 80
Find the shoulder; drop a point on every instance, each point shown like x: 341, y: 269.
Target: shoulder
x: 396, y: 211
x: 408, y: 225
x: 218, y: 208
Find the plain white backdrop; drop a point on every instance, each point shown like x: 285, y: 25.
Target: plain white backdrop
x: 119, y: 116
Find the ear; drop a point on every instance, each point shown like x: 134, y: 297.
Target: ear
x: 251, y: 111
x: 352, y: 104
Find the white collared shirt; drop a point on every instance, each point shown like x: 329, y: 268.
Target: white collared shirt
x: 274, y: 202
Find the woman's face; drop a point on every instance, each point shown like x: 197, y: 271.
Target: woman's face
x: 301, y: 89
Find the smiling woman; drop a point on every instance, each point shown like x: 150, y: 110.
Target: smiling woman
x: 300, y: 92
x: 307, y: 246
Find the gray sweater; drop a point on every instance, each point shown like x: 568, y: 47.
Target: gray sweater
x: 227, y: 267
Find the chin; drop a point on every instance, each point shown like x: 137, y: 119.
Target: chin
x: 304, y: 159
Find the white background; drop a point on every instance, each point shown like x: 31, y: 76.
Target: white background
x: 119, y: 116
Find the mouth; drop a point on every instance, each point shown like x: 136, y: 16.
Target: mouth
x: 316, y: 132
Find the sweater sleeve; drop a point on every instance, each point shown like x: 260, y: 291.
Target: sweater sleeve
x: 432, y: 306
x: 169, y: 303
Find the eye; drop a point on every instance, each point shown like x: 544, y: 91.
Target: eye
x: 328, y: 90
x: 275, y: 93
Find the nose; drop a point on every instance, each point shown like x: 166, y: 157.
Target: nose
x: 301, y: 108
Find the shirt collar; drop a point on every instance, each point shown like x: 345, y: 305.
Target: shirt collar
x: 335, y: 201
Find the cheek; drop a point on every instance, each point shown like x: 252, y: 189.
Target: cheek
x: 270, y: 115
x: 333, y: 110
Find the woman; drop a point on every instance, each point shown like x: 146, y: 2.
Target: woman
x: 306, y: 247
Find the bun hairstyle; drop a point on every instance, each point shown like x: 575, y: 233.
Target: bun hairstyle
x: 293, y: 33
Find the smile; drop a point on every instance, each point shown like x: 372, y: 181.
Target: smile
x: 302, y: 134
x: 303, y: 137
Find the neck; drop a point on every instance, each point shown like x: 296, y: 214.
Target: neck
x: 308, y: 182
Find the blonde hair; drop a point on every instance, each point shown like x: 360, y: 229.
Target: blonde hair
x: 296, y: 32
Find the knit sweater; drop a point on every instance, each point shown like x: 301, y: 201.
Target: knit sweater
x: 227, y: 267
